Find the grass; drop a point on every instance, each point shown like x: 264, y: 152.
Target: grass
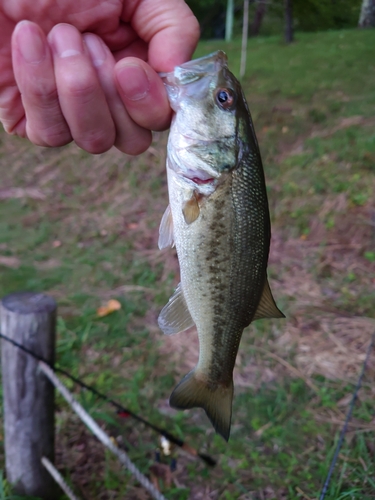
x: 88, y: 234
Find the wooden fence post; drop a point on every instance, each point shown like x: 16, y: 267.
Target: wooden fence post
x: 29, y: 319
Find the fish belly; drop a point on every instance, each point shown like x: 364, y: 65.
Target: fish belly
x: 223, y: 261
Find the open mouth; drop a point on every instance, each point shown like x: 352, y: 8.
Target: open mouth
x: 199, y: 181
x: 198, y: 176
x: 192, y: 71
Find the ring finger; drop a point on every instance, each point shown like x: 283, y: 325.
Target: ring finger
x: 131, y: 138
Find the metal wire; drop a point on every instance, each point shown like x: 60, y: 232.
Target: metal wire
x: 99, y: 433
x: 120, y: 409
x: 209, y: 460
x: 58, y: 478
x: 346, y: 423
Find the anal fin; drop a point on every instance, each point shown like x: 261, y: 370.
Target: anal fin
x: 175, y: 316
x: 267, y: 307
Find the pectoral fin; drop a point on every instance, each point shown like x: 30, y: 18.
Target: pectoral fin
x: 191, y: 210
x: 166, y: 230
x: 267, y: 307
x: 175, y: 316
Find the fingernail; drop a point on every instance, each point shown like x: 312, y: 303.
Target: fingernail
x: 30, y: 43
x: 96, y: 48
x: 66, y: 41
x: 133, y: 81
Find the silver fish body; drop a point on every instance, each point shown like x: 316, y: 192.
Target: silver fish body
x: 219, y: 221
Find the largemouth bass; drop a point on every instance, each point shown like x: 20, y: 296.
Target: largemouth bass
x: 218, y: 219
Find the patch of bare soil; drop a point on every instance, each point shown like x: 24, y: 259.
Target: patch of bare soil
x: 297, y: 147
x: 329, y: 338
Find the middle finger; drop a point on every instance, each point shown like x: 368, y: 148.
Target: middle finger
x: 81, y: 97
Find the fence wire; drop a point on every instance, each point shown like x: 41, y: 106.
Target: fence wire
x: 99, y: 433
x: 58, y: 478
x: 344, y: 429
x: 48, y: 368
x: 121, y: 410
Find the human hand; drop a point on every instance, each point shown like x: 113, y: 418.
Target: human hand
x: 60, y: 82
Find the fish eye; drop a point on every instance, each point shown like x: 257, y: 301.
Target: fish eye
x: 225, y: 98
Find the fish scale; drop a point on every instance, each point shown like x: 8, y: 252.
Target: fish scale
x: 218, y: 219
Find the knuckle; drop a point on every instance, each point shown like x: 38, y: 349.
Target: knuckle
x: 49, y: 136
x: 43, y: 96
x: 96, y: 142
x: 60, y: 138
x: 194, y: 28
x: 134, y: 145
x: 12, y: 112
x: 81, y: 87
x: 10, y: 127
x: 161, y: 121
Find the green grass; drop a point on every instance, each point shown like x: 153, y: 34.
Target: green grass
x: 93, y: 236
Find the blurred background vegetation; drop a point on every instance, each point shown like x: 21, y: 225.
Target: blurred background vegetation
x: 267, y: 17
x: 85, y: 235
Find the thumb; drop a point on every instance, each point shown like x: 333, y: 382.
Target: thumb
x: 170, y: 29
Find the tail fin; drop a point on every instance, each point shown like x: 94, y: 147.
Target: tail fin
x: 193, y: 392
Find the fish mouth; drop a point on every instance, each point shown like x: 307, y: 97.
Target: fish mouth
x: 199, y: 177
x: 199, y: 181
x: 192, y: 71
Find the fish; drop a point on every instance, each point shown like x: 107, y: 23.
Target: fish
x: 218, y: 219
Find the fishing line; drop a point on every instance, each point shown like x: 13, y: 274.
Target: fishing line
x: 346, y: 423
x: 121, y: 410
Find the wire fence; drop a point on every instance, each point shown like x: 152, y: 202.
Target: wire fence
x: 120, y: 409
x: 344, y: 429
x: 58, y: 478
x: 50, y: 371
x: 99, y: 433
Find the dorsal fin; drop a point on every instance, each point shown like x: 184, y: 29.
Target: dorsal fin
x: 267, y: 307
x: 166, y: 238
x: 175, y: 316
